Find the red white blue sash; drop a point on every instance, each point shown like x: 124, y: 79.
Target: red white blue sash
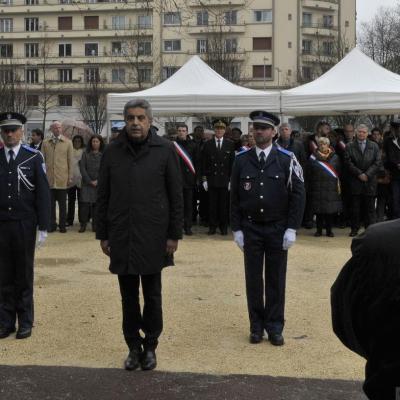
x: 326, y: 166
x: 185, y: 157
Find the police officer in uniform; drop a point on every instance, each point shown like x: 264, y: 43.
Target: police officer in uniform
x: 267, y: 204
x: 217, y: 159
x: 24, y: 207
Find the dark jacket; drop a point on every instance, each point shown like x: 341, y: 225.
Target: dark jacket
x: 265, y: 195
x: 139, y: 203
x: 29, y: 196
x: 324, y: 188
x: 365, y: 306
x: 296, y: 147
x: 192, y: 150
x: 357, y: 163
x: 89, y: 166
x: 392, y: 154
x: 216, y: 165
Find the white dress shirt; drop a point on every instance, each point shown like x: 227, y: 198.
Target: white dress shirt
x: 14, y: 149
x: 266, y: 151
x: 220, y: 142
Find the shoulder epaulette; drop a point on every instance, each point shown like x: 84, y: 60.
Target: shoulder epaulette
x: 31, y: 149
x: 242, y: 152
x: 284, y: 151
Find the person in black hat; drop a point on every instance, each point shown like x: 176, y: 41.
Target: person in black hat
x: 24, y: 207
x: 267, y: 204
x: 217, y: 159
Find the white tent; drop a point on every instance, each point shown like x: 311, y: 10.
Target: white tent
x: 355, y: 85
x: 197, y: 89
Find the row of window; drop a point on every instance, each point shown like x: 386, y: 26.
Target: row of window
x: 37, y: 2
x: 325, y: 49
x: 144, y: 48
x: 327, y: 20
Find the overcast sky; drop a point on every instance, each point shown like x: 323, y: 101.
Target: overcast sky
x: 366, y: 9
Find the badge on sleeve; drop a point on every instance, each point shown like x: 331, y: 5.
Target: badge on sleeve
x: 297, y: 168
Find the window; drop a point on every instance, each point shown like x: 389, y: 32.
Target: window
x: 116, y: 48
x: 64, y: 23
x: 327, y: 21
x: 7, y: 2
x: 65, y: 50
x: 231, y: 17
x: 306, y: 46
x: 32, y: 76
x: 32, y: 100
x: 172, y: 45
x: 202, y: 18
x: 168, y: 71
x: 31, y: 50
x: 202, y: 45
x: 92, y: 75
x: 31, y: 24
x: 232, y: 72
x: 306, y: 72
x: 65, y: 1
x: 289, y: 45
x: 65, y: 75
x: 144, y: 21
x: 346, y: 24
x: 6, y: 75
x: 262, y: 71
x: 6, y: 50
x: 118, y: 75
x: 172, y: 18
x: 31, y: 2
x: 6, y: 24
x: 327, y: 48
x: 65, y: 100
x: 262, y: 43
x: 91, y: 22
x: 144, y: 74
x: 91, y: 49
x: 230, y: 45
x: 289, y: 17
x: 144, y: 48
x: 263, y: 16
x: 118, y: 22
x: 307, y: 19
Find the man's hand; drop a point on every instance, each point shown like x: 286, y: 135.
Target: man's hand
x: 105, y: 247
x: 42, y: 236
x: 172, y: 246
x: 363, y: 178
x: 205, y: 186
x: 239, y: 239
x: 289, y: 239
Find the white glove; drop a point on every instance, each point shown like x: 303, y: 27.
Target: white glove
x: 288, y: 239
x: 239, y: 239
x: 205, y: 186
x: 229, y: 187
x: 42, y: 236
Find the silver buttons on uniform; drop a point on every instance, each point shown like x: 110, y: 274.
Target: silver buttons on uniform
x: 262, y: 210
x: 261, y: 183
x: 9, y: 208
x: 261, y: 197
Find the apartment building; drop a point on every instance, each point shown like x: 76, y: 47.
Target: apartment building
x: 58, y: 53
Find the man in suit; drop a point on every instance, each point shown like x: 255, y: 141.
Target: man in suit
x: 217, y: 157
x: 24, y: 207
x: 37, y: 137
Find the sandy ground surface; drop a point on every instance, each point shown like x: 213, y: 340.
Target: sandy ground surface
x: 78, y: 311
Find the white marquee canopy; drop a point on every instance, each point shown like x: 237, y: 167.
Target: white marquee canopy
x: 197, y: 89
x: 355, y: 85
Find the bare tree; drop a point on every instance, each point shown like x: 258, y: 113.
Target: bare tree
x: 13, y: 91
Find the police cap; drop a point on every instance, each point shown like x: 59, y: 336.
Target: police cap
x: 219, y: 123
x: 11, y: 120
x: 264, y: 118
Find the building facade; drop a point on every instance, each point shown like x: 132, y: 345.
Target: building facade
x: 57, y: 55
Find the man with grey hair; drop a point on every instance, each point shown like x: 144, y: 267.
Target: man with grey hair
x: 287, y: 142
x: 363, y: 161
x: 139, y: 222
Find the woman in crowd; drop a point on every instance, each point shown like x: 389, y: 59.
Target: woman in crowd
x: 74, y: 190
x: 324, y: 186
x: 89, y: 167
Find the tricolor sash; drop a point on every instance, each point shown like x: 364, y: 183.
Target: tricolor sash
x: 185, y: 157
x: 328, y: 168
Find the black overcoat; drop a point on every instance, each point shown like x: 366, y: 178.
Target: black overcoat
x: 139, y: 204
x: 323, y: 189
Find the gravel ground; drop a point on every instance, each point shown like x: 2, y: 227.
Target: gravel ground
x: 78, y: 313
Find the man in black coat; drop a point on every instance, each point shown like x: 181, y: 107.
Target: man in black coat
x: 267, y: 205
x: 286, y: 141
x: 363, y: 161
x: 217, y: 159
x: 139, y: 223
x: 188, y: 152
x: 24, y: 207
x: 37, y: 137
x: 366, y: 309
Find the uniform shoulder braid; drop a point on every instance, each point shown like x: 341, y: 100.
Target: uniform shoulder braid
x: 242, y: 152
x: 30, y: 149
x: 284, y: 151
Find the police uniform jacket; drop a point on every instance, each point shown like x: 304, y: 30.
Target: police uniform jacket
x: 192, y: 150
x: 275, y: 193
x: 216, y: 165
x: 24, y: 192
x: 139, y: 203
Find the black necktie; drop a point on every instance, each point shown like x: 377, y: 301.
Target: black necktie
x: 219, y: 144
x: 11, y: 160
x: 262, y: 160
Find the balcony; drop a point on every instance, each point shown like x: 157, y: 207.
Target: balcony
x: 325, y: 5
x: 216, y: 3
x: 319, y: 29
x: 210, y: 29
x: 239, y: 55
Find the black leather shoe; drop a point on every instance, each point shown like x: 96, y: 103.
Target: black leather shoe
x: 23, y: 333
x: 255, y: 338
x: 276, y: 339
x: 353, y: 233
x: 63, y: 230
x: 149, y: 360
x: 224, y: 231
x: 82, y: 228
x: 132, y: 362
x: 212, y: 231
x: 330, y: 234
x: 6, y: 332
x: 188, y: 232
x: 318, y: 234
